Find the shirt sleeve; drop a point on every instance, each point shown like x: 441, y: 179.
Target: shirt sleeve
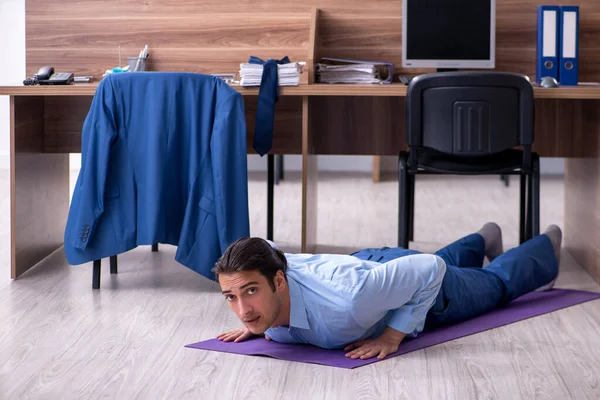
x: 406, y: 286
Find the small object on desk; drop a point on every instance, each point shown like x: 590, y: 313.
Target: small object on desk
x: 47, y: 76
x: 406, y: 79
x: 588, y: 83
x: 83, y: 79
x: 141, y: 62
x: 228, y: 78
x: 138, y: 63
x: 116, y: 70
x: 548, y: 82
x: 58, y: 78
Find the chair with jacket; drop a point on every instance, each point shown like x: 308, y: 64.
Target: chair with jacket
x: 470, y: 123
x: 163, y: 161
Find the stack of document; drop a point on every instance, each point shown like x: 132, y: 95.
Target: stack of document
x: 335, y: 70
x: 288, y: 74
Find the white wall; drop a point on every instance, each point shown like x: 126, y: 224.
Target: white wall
x: 12, y: 72
x: 548, y: 166
x: 326, y: 163
x: 12, y: 66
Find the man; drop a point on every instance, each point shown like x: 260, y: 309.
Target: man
x: 367, y: 302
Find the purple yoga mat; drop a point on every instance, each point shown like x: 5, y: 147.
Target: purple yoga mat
x: 530, y: 305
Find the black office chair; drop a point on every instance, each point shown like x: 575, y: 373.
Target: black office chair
x: 468, y: 123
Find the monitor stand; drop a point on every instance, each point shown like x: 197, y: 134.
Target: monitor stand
x: 447, y: 69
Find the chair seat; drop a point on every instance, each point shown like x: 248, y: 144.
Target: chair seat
x: 430, y: 160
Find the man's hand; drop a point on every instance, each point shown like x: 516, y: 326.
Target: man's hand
x: 386, y: 344
x: 237, y: 335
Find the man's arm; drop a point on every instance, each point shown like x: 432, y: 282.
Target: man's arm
x: 407, y: 285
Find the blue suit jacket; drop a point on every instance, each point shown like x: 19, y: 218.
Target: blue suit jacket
x: 163, y: 160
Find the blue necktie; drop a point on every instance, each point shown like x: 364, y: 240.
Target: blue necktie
x: 268, y: 95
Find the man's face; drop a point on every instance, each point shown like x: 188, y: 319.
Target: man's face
x: 252, y: 299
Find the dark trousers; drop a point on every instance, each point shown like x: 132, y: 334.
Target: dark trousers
x: 468, y: 289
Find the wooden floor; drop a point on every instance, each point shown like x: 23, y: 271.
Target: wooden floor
x: 59, y: 339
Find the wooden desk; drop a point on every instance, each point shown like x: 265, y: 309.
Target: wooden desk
x: 46, y: 122
x: 316, y: 89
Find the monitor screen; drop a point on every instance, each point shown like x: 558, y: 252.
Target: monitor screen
x: 448, y: 33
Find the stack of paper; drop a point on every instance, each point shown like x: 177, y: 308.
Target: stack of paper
x: 338, y: 70
x: 288, y: 74
x: 358, y: 73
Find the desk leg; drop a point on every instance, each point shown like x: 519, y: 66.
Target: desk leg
x: 376, y: 172
x: 582, y: 212
x: 309, y: 182
x: 39, y: 187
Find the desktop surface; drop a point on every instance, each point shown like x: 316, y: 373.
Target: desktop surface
x: 396, y: 89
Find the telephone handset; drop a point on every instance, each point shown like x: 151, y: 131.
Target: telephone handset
x: 44, y: 73
x: 47, y: 76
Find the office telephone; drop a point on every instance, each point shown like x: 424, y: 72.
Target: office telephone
x: 47, y: 76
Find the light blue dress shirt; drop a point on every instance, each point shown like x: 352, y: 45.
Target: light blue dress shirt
x: 339, y: 299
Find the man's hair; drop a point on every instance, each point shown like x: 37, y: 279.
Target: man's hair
x: 251, y: 254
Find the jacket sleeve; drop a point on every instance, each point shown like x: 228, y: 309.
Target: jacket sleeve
x: 99, y: 132
x: 403, y: 289
x: 230, y: 170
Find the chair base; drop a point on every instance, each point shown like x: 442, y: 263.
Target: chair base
x: 529, y: 213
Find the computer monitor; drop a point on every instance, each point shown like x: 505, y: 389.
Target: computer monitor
x: 448, y: 34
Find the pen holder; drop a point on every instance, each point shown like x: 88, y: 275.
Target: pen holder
x: 137, y: 63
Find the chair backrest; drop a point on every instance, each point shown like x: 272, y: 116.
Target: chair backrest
x: 470, y: 113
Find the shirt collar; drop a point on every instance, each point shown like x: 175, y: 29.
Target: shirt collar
x: 298, y: 318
